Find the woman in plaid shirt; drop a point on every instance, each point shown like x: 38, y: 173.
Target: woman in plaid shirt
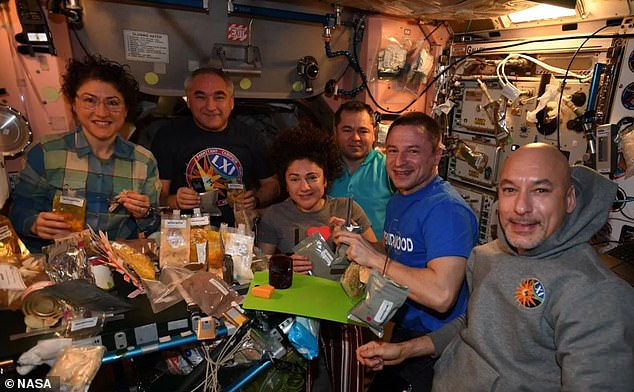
x: 93, y: 159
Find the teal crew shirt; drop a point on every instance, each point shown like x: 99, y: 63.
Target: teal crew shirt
x: 369, y: 186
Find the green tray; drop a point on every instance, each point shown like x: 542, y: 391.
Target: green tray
x: 308, y: 296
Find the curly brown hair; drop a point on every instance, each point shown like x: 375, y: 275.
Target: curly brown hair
x: 96, y: 67
x: 306, y: 141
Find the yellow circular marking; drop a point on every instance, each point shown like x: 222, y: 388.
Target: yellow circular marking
x: 298, y: 86
x: 151, y: 78
x: 50, y: 94
x: 245, y: 83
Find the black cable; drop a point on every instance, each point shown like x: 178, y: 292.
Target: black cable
x: 563, y: 82
x: 482, y: 50
x: 426, y: 37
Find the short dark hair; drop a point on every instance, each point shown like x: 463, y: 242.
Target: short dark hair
x: 96, y: 67
x: 353, y: 106
x: 422, y: 120
x: 209, y: 71
x: 306, y: 141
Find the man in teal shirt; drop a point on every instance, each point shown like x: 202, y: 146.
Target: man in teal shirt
x: 364, y: 176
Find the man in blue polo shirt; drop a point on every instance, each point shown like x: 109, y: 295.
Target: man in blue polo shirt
x: 429, y: 233
x: 364, y: 176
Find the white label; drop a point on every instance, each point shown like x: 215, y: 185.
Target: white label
x: 384, y: 311
x: 235, y: 185
x: 199, y: 220
x: 201, y: 252
x: 89, y: 322
x: 37, y: 37
x: 146, y: 46
x: 10, y: 278
x: 219, y: 286
x: 175, y: 224
x: 75, y: 201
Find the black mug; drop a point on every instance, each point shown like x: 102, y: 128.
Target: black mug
x: 281, y: 271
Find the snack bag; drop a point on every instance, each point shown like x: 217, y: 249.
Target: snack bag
x: 71, y: 204
x: 382, y: 299
x: 175, y: 233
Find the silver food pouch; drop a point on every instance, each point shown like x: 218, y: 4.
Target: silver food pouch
x: 383, y: 297
x: 318, y: 252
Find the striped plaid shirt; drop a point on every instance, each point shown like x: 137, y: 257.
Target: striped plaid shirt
x: 67, y: 161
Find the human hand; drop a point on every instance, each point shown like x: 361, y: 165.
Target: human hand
x: 49, y: 225
x: 359, y: 249
x: 377, y: 354
x: 137, y: 204
x: 336, y: 222
x: 187, y: 198
x: 301, y: 264
x: 249, y: 200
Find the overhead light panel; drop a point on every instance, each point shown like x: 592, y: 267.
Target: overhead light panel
x: 541, y: 12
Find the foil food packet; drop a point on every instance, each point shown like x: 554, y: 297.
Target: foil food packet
x: 318, y: 252
x: 382, y: 300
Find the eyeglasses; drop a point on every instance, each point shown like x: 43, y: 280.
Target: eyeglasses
x: 90, y: 102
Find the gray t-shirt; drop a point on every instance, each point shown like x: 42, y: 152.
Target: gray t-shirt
x: 284, y: 225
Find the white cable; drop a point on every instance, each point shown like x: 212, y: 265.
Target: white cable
x: 210, y: 383
x: 547, y: 66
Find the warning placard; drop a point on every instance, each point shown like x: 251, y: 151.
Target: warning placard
x: 146, y: 46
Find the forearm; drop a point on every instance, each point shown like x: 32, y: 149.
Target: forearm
x: 418, y: 347
x: 427, y: 286
x: 268, y: 192
x: 152, y: 189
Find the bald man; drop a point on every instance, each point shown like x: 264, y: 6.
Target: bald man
x: 544, y: 313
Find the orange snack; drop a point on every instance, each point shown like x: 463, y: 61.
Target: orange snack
x: 263, y: 291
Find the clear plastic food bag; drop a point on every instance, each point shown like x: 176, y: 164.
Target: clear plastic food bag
x: 77, y: 366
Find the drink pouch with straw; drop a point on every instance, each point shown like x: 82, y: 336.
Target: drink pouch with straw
x: 382, y: 299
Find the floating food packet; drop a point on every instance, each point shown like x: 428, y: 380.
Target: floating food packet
x: 138, y: 262
x: 235, y: 195
x: 318, y: 252
x: 17, y: 267
x: 67, y: 260
x: 11, y: 247
x: 77, y: 366
x: 71, y: 204
x: 175, y: 233
x: 240, y: 248
x: 382, y: 299
x: 351, y: 280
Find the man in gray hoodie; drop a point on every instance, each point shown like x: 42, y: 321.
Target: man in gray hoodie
x: 544, y: 313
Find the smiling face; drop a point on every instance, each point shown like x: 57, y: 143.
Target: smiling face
x: 100, y: 109
x: 411, y: 161
x: 306, y: 184
x: 210, y: 101
x: 534, y: 195
x: 355, y: 135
